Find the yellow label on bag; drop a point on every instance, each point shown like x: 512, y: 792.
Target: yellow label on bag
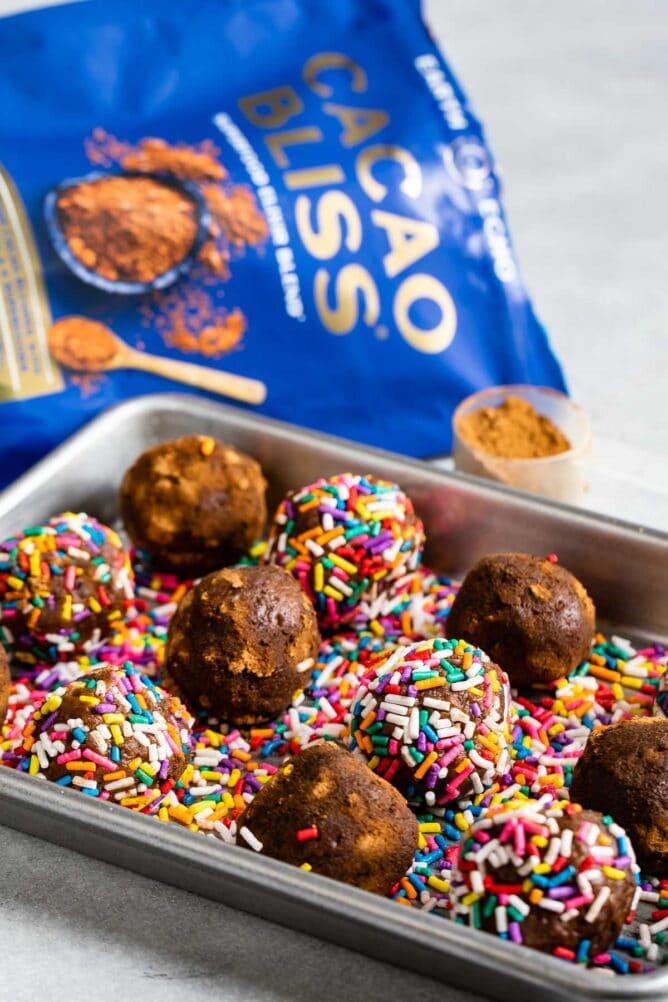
x: 26, y: 367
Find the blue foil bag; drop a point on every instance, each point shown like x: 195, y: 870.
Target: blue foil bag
x: 353, y: 257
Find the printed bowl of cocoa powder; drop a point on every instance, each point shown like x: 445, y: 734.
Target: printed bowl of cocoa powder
x: 530, y: 437
x: 127, y: 233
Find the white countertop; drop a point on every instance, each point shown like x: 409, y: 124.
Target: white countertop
x: 573, y: 96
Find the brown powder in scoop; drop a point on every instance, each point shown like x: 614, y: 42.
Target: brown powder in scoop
x: 81, y: 344
x: 513, y: 430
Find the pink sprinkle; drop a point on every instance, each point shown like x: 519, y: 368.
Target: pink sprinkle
x: 578, y: 900
x: 68, y: 757
x: 70, y: 577
x: 100, y: 760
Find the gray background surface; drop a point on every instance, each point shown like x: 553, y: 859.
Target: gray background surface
x: 573, y: 96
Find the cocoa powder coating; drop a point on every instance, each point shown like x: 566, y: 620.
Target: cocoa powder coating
x: 624, y: 772
x: 531, y: 616
x: 365, y: 834
x: 193, y: 504
x: 242, y: 642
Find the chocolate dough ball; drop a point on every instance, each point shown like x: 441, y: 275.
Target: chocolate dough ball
x: 531, y: 616
x: 5, y: 683
x: 242, y: 642
x: 114, y: 734
x: 326, y: 809
x: 623, y: 771
x: 62, y: 586
x: 432, y: 718
x: 346, y: 539
x: 194, y: 504
x: 509, y: 877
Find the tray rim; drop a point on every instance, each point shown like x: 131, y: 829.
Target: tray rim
x: 370, y: 911
x: 160, y: 401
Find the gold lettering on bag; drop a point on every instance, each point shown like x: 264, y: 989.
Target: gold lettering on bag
x: 437, y: 338
x: 291, y: 137
x: 409, y: 240
x: 358, y: 123
x: 351, y: 281
x: 333, y: 61
x: 411, y: 186
x: 333, y: 209
x: 270, y: 109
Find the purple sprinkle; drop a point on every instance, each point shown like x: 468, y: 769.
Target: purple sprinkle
x: 515, y: 932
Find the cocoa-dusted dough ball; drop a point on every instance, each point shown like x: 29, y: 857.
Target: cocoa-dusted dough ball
x: 533, y: 617
x: 193, y: 504
x: 63, y: 585
x: 5, y: 683
x: 113, y: 733
x: 242, y: 642
x: 545, y: 874
x: 326, y: 809
x: 623, y: 771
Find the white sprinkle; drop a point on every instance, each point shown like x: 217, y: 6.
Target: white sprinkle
x: 595, y: 907
x: 250, y: 839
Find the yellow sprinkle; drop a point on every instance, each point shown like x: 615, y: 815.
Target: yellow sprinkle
x: 438, y: 884
x: 613, y: 872
x: 94, y: 604
x: 332, y: 593
x: 632, y: 683
x: 289, y: 769
x: 318, y: 577
x: 207, y: 445
x: 470, y: 899
x: 430, y: 683
x: 460, y: 822
x: 92, y: 701
x: 112, y: 718
x: 305, y: 866
x: 430, y: 828
x: 344, y: 564
x: 376, y: 628
x: 117, y: 734
x: 34, y: 765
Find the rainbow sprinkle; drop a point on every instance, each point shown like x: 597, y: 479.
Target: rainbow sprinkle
x: 345, y: 539
x: 433, y: 718
x: 63, y: 585
x: 528, y: 864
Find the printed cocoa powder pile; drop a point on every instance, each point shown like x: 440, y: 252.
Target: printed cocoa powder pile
x: 127, y: 228
x: 81, y: 344
x: 513, y: 430
x: 188, y: 316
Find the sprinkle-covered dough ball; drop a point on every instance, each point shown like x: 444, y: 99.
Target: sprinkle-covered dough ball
x: 242, y: 643
x: 433, y: 718
x: 547, y: 874
x: 112, y: 734
x: 345, y: 540
x: 62, y: 587
x: 532, y: 616
x: 5, y: 683
x: 194, y: 504
x: 624, y: 771
x: 324, y: 811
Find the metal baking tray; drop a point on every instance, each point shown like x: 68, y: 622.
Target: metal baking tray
x: 625, y: 568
